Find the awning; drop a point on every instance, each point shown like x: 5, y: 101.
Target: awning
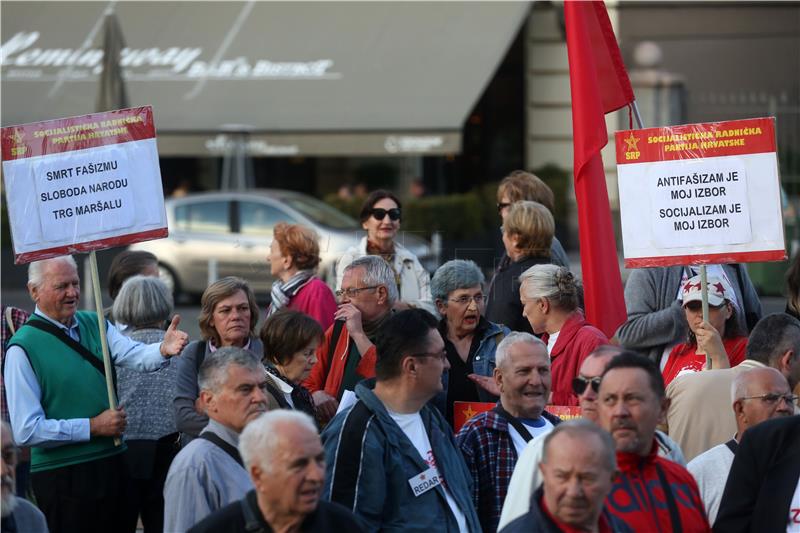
x: 303, y: 78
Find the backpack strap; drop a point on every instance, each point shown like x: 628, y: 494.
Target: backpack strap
x: 226, y: 447
x: 199, y: 355
x: 514, y: 422
x: 338, y: 326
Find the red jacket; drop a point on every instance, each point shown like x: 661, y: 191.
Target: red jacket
x: 316, y: 300
x: 327, y: 374
x: 576, y: 340
x: 638, y: 498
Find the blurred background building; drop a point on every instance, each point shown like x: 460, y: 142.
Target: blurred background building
x: 436, y: 100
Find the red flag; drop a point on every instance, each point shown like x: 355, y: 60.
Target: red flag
x: 599, y: 84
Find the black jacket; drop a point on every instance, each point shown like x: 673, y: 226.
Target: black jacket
x: 244, y: 516
x: 503, y: 305
x: 536, y: 521
x: 763, y: 478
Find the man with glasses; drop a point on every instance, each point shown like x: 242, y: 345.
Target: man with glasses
x: 527, y: 476
x: 699, y: 416
x: 17, y: 513
x: 758, y: 394
x: 492, y: 441
x: 347, y: 355
x: 391, y: 458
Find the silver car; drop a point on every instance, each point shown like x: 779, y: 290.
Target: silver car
x: 217, y: 234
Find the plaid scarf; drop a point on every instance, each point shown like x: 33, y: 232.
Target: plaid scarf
x: 283, y: 291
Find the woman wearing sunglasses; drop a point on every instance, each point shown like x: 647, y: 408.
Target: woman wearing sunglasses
x: 380, y: 217
x: 549, y: 294
x: 719, y: 339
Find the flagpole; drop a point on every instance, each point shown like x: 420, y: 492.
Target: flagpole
x: 636, y: 115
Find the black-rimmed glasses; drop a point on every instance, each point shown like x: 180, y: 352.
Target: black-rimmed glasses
x: 772, y: 398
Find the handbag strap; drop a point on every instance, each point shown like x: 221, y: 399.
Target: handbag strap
x: 732, y: 446
x: 77, y: 347
x: 515, y: 423
x: 225, y: 446
x: 674, y: 516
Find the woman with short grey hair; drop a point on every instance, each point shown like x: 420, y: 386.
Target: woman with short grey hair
x: 550, y: 296
x: 470, y: 340
x: 145, y: 304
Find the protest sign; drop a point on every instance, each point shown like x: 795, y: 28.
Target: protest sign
x: 83, y: 183
x: 700, y: 194
x: 463, y: 411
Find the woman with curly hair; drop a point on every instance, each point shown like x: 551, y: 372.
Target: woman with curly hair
x: 549, y: 295
x: 293, y: 259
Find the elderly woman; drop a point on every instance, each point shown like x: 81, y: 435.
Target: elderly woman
x: 527, y: 235
x: 719, y: 339
x: 290, y: 341
x: 293, y: 258
x: 470, y: 340
x: 380, y: 217
x: 145, y: 304
x: 549, y: 294
x: 228, y: 316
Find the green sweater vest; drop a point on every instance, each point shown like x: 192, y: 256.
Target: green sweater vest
x: 71, y: 388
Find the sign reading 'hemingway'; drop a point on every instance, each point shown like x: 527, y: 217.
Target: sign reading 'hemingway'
x: 83, y: 183
x: 700, y: 193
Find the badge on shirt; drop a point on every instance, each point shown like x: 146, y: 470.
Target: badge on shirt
x: 425, y: 481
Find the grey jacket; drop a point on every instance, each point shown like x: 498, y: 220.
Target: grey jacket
x: 655, y: 316
x: 188, y: 421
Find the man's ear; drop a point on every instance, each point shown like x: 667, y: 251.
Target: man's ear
x: 409, y: 365
x: 33, y: 290
x: 785, y: 362
x: 662, y: 416
x: 207, y: 400
x: 382, y: 294
x: 498, y: 378
x: 738, y: 410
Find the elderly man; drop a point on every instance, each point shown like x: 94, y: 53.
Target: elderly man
x: 492, y: 441
x: 391, y: 457
x: 209, y: 473
x: 649, y: 493
x: 527, y: 474
x: 578, y: 467
x: 58, y: 400
x: 347, y: 356
x: 699, y: 415
x: 757, y: 395
x: 284, y: 457
x: 17, y: 513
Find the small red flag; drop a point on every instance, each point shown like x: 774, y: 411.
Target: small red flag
x: 599, y: 84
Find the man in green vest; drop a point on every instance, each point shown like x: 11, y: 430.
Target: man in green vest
x: 59, y: 405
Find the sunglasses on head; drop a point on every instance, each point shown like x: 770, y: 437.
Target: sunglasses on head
x: 580, y: 383
x: 379, y: 213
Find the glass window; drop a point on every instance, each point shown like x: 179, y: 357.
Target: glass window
x: 259, y: 219
x: 203, y: 217
x: 320, y: 212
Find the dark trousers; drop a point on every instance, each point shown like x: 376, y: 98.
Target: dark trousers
x: 82, y: 498
x: 148, y: 462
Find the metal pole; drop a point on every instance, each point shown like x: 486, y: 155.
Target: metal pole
x: 101, y: 323
x: 636, y: 116
x: 704, y: 296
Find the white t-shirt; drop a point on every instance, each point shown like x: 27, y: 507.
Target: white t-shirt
x: 793, y: 525
x: 414, y: 428
x: 551, y: 341
x: 534, y: 427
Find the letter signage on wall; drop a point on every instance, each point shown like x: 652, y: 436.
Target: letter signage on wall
x: 700, y: 193
x: 83, y: 183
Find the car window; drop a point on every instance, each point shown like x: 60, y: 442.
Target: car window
x: 320, y: 212
x: 259, y: 219
x: 203, y: 217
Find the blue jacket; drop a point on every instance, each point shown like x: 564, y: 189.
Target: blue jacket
x: 370, y: 462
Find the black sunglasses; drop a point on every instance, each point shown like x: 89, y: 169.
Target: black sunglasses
x: 379, y: 213
x: 580, y: 383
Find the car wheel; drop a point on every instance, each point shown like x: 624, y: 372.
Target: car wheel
x: 167, y: 275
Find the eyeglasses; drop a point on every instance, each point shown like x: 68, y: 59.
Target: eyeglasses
x: 379, y: 213
x: 580, y: 383
x: 10, y: 455
x: 440, y: 355
x: 502, y: 205
x: 772, y: 398
x: 353, y: 292
x: 465, y: 300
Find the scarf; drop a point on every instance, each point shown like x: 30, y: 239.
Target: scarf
x: 371, y: 329
x: 283, y: 291
x: 373, y: 249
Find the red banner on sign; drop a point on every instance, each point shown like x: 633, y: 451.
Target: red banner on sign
x: 695, y: 141
x: 463, y: 411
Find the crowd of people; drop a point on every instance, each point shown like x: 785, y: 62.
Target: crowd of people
x: 338, y: 413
